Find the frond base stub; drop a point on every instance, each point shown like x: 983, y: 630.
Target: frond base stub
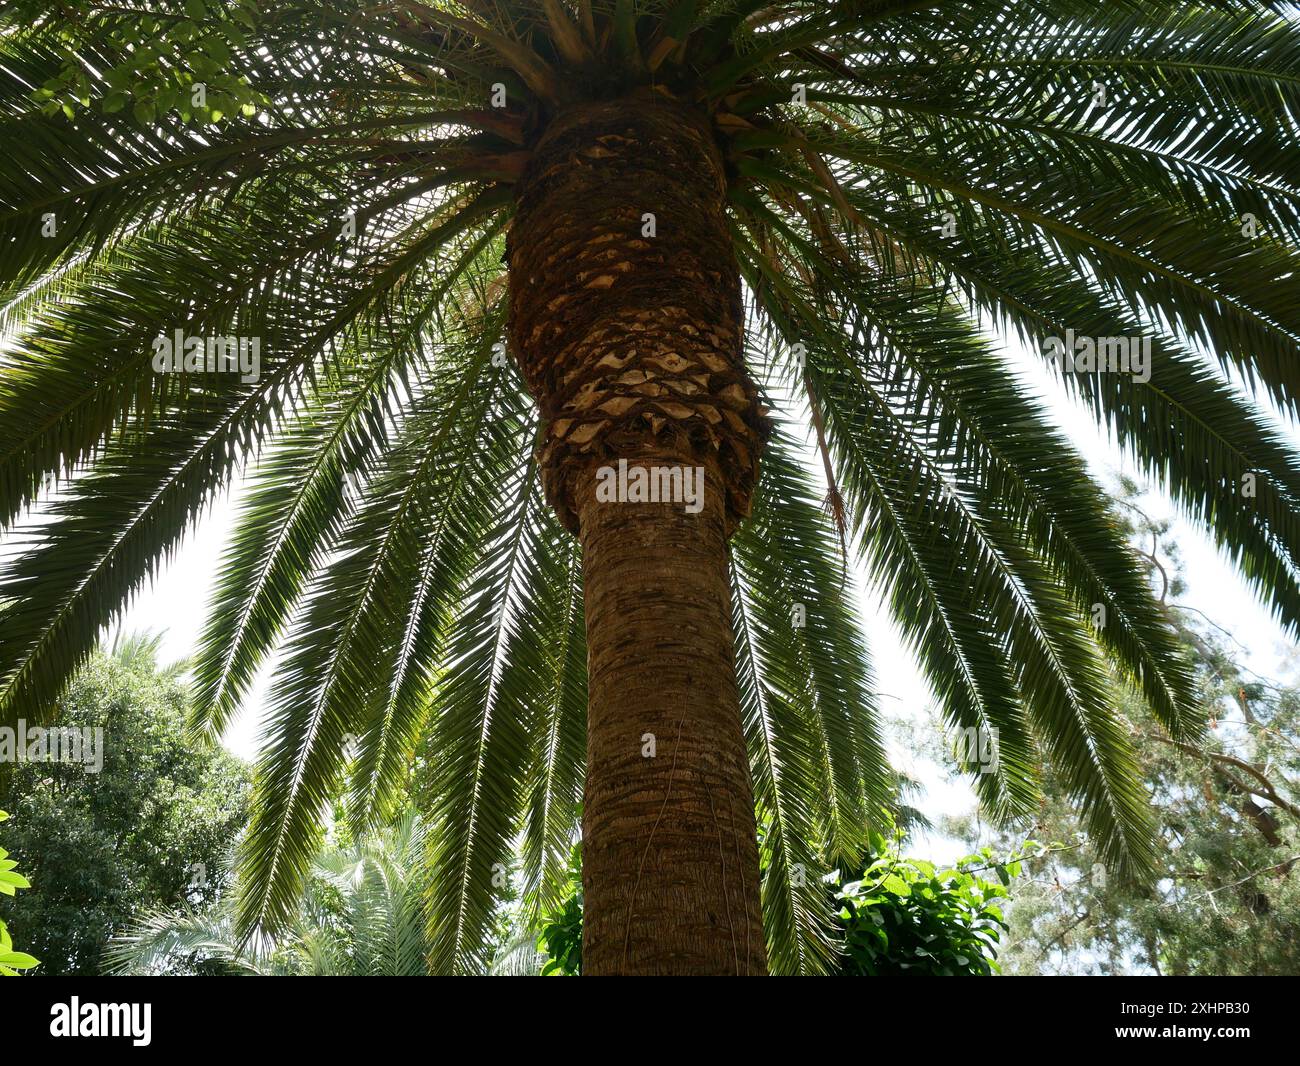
x: 625, y: 306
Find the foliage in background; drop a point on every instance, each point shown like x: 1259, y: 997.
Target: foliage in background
x: 153, y: 828
x: 361, y: 915
x: 11, y: 880
x: 161, y: 58
x: 1227, y: 901
x: 561, y: 939
x: 892, y: 916
x: 906, y: 917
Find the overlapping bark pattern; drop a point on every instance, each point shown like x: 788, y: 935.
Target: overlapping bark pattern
x: 632, y: 345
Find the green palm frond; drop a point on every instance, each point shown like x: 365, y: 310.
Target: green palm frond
x: 810, y: 712
x: 792, y: 576
x: 479, y: 743
x: 379, y: 880
x: 554, y: 649
x: 901, y: 175
x: 358, y: 661
x: 158, y: 939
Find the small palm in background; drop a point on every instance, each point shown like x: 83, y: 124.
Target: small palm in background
x: 361, y: 914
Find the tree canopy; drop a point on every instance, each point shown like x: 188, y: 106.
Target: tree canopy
x: 899, y: 174
x: 153, y: 826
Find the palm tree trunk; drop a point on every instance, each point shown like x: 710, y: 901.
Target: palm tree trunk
x: 626, y: 320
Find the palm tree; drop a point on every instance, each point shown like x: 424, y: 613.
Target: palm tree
x: 490, y: 250
x: 360, y: 914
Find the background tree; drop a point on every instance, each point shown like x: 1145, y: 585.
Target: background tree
x: 683, y: 213
x: 1227, y: 899
x: 153, y: 828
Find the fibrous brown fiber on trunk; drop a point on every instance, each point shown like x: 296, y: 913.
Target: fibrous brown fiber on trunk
x: 631, y: 343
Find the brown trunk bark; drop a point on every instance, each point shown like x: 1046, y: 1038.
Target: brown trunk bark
x: 631, y: 342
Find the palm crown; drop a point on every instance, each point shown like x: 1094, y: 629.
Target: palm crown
x: 898, y: 176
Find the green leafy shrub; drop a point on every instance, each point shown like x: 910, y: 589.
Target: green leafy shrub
x: 906, y: 917
x: 562, y: 940
x: 894, y: 915
x: 10, y: 882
